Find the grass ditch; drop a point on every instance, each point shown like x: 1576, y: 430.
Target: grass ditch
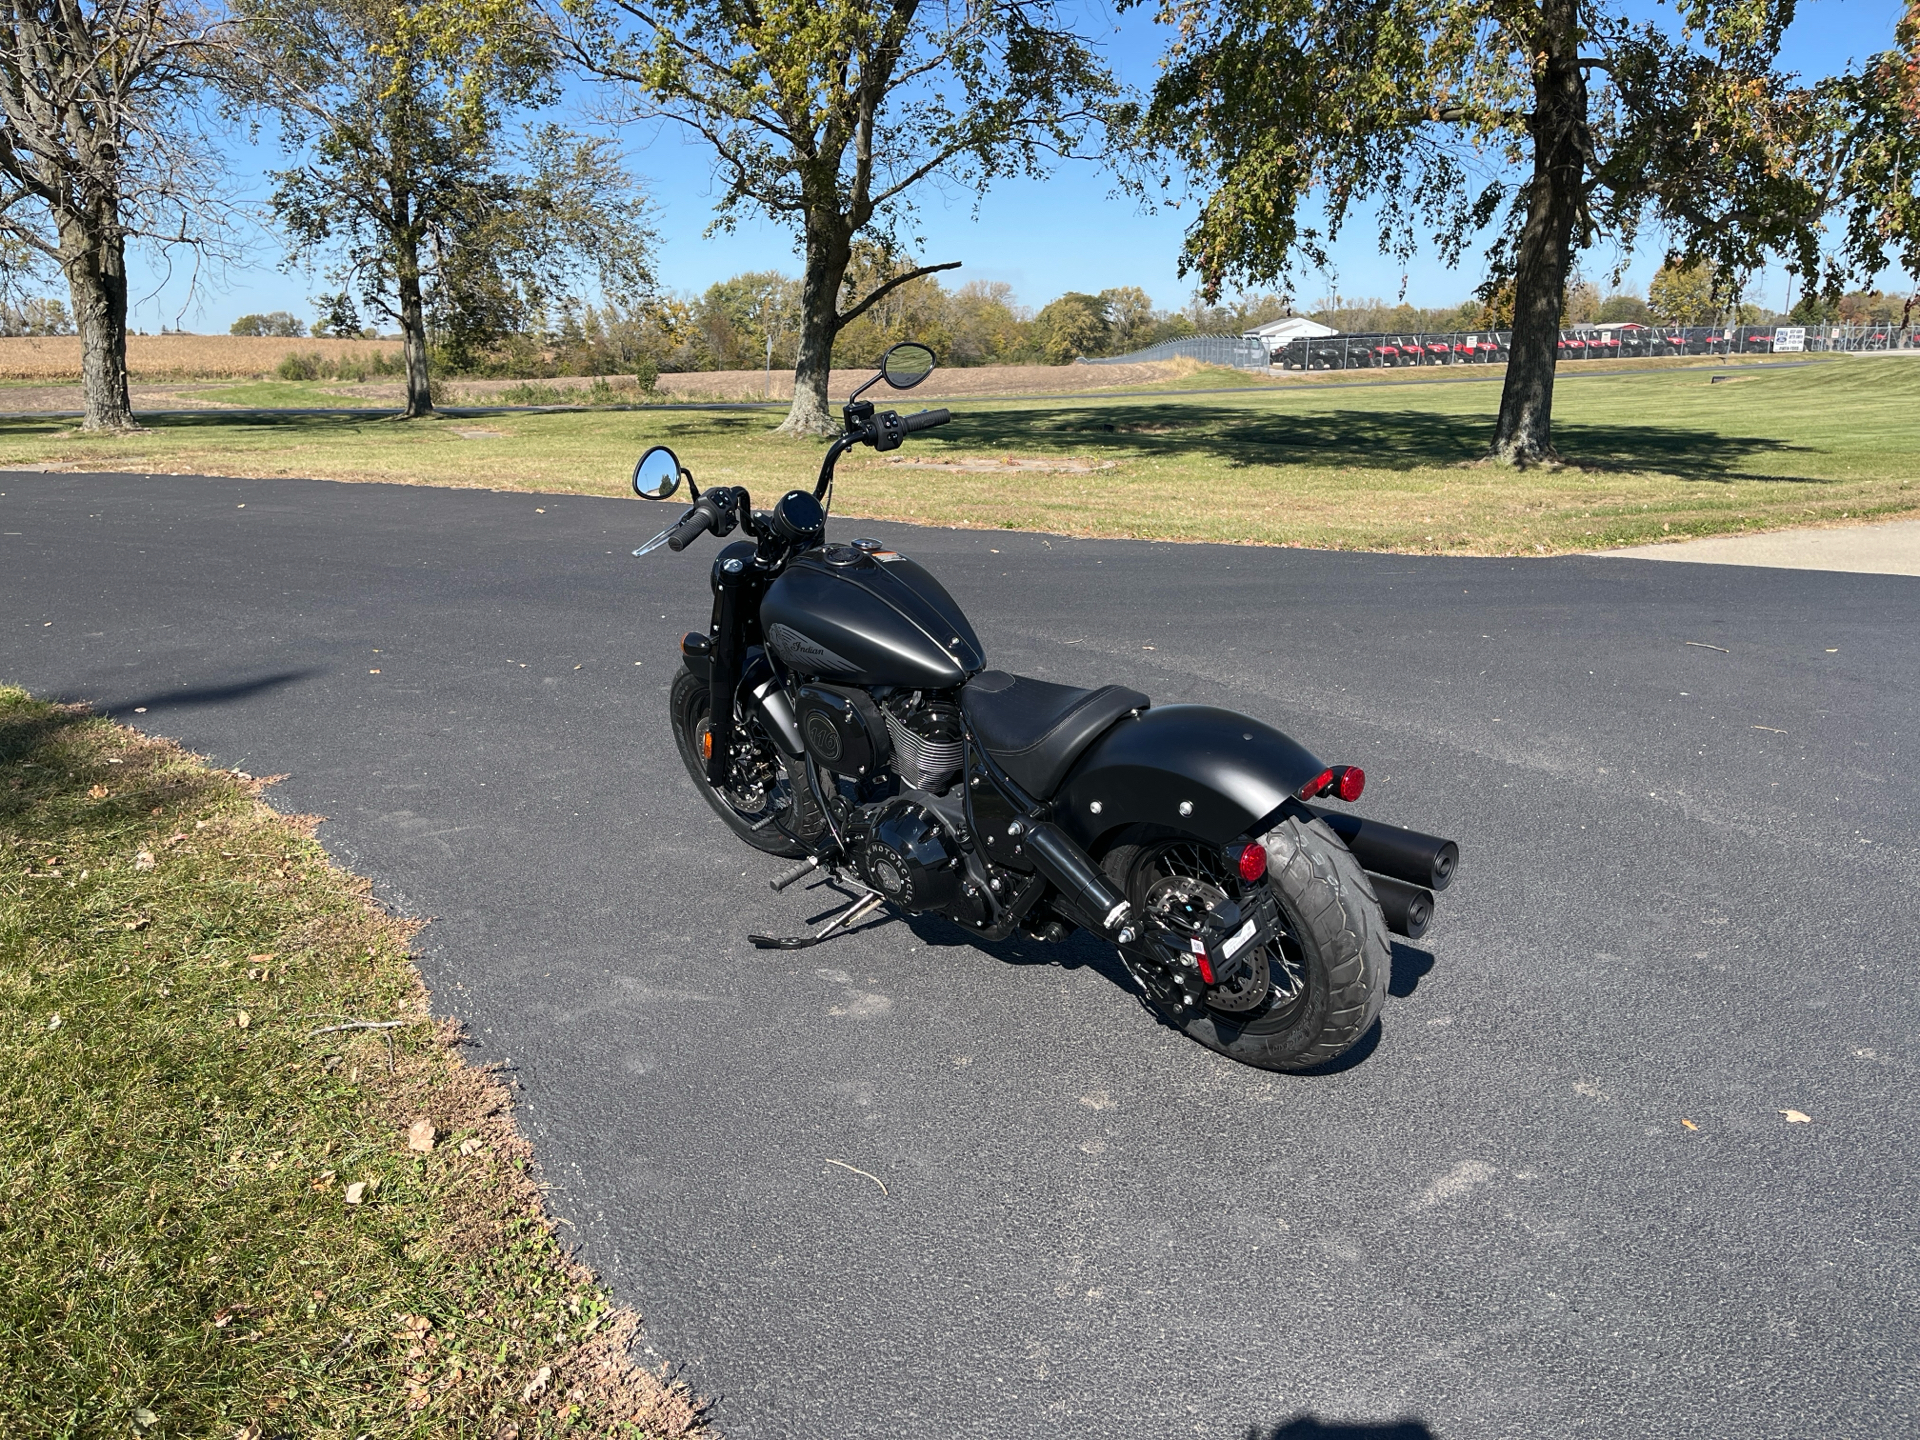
x: 219, y: 1216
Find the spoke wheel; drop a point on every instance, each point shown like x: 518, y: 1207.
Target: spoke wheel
x: 1325, y: 971
x: 766, y: 802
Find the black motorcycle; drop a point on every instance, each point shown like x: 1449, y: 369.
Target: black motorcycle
x: 838, y: 710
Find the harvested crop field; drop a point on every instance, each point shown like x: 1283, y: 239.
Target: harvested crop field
x: 178, y: 357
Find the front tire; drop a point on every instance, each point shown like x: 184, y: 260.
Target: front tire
x: 1327, y: 973
x: 769, y: 799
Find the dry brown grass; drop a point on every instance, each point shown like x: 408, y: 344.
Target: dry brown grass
x: 176, y: 357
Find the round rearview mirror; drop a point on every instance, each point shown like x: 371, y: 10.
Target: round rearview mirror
x: 657, y: 475
x: 906, y: 365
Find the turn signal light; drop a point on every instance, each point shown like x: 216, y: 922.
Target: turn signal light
x: 1348, y: 782
x: 706, y: 745
x: 1251, y: 862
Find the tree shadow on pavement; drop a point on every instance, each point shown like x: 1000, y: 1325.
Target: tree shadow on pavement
x: 209, y: 694
x: 1373, y: 439
x: 1311, y: 1427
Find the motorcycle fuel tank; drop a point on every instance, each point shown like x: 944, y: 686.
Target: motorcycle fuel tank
x: 865, y: 614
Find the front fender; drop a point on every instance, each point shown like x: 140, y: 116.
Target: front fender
x: 1233, y: 772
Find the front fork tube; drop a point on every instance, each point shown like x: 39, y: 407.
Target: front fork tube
x: 726, y: 674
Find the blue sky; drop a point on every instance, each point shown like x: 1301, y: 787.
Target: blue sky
x: 1068, y: 232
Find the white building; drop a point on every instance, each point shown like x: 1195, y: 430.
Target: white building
x: 1294, y: 327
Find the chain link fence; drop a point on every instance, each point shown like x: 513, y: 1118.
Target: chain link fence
x: 1489, y: 347
x: 1235, y: 350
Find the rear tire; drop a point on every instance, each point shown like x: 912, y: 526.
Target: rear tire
x: 1328, y: 972
x: 774, y: 785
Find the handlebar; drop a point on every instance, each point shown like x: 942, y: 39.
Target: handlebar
x: 925, y: 420
x: 691, y: 528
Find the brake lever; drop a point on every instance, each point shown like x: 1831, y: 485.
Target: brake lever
x: 657, y: 541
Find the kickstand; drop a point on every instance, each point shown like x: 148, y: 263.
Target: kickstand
x: 860, y: 907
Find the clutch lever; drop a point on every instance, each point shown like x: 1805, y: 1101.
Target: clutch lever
x: 657, y: 541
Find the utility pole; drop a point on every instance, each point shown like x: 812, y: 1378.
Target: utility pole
x: 769, y: 362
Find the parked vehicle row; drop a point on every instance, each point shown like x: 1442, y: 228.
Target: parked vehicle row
x: 1382, y: 351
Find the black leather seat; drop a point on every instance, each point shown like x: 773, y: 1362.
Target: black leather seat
x: 1034, y: 729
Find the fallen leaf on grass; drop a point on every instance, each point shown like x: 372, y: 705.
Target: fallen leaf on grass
x: 99, y: 792
x: 420, y: 1136
x: 143, y: 1419
x: 143, y: 860
x: 1796, y: 1117
x: 538, y: 1386
x: 356, y: 1192
x: 248, y: 1431
x: 173, y: 840
x: 223, y: 1317
x: 53, y: 1022
x: 243, y: 1019
x: 322, y: 1181
x: 470, y: 1145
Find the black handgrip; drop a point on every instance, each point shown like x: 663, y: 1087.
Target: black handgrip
x: 689, y: 529
x: 925, y: 420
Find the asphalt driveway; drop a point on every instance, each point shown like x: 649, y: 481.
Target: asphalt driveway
x: 1554, y: 1194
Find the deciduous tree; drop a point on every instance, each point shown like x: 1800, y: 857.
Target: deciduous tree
x: 101, y: 147
x: 1551, y: 120
x: 406, y: 185
x: 1880, y: 164
x: 828, y: 115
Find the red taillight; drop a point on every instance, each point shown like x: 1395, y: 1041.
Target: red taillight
x: 1316, y: 786
x: 1201, y: 959
x: 1251, y: 862
x: 1349, y: 781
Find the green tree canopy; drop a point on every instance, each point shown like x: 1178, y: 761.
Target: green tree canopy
x: 1550, y: 121
x: 406, y: 186
x: 1073, y: 326
x: 1880, y: 161
x: 275, y: 322
x: 829, y: 115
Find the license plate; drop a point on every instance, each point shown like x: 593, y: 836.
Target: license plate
x: 1237, y: 941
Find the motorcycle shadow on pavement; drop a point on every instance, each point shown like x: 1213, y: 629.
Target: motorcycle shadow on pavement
x: 1311, y: 1427
x: 1081, y: 951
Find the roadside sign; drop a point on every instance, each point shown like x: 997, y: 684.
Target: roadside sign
x: 1790, y: 337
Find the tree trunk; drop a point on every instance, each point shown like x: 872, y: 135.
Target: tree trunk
x: 1524, y: 434
x: 413, y: 328
x: 94, y: 258
x: 829, y: 249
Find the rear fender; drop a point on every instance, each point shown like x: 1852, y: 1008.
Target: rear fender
x: 1231, y: 774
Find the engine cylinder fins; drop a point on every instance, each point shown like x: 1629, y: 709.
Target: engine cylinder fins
x: 928, y: 747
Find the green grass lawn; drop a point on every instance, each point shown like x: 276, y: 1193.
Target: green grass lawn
x: 1376, y: 466
x: 218, y: 1215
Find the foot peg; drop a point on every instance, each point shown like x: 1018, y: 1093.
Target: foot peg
x: 798, y: 873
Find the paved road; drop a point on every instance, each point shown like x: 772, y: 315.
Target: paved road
x: 1687, y: 897
x: 1888, y: 548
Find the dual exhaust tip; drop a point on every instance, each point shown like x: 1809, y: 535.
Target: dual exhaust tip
x: 1405, y: 867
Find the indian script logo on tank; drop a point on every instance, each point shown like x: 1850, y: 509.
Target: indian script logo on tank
x: 804, y: 654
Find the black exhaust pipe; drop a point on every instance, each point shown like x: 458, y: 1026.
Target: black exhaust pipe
x: 1408, y: 908
x: 1082, y: 882
x: 1424, y: 861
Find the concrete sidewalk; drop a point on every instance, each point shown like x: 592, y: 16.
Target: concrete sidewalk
x: 1891, y: 548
